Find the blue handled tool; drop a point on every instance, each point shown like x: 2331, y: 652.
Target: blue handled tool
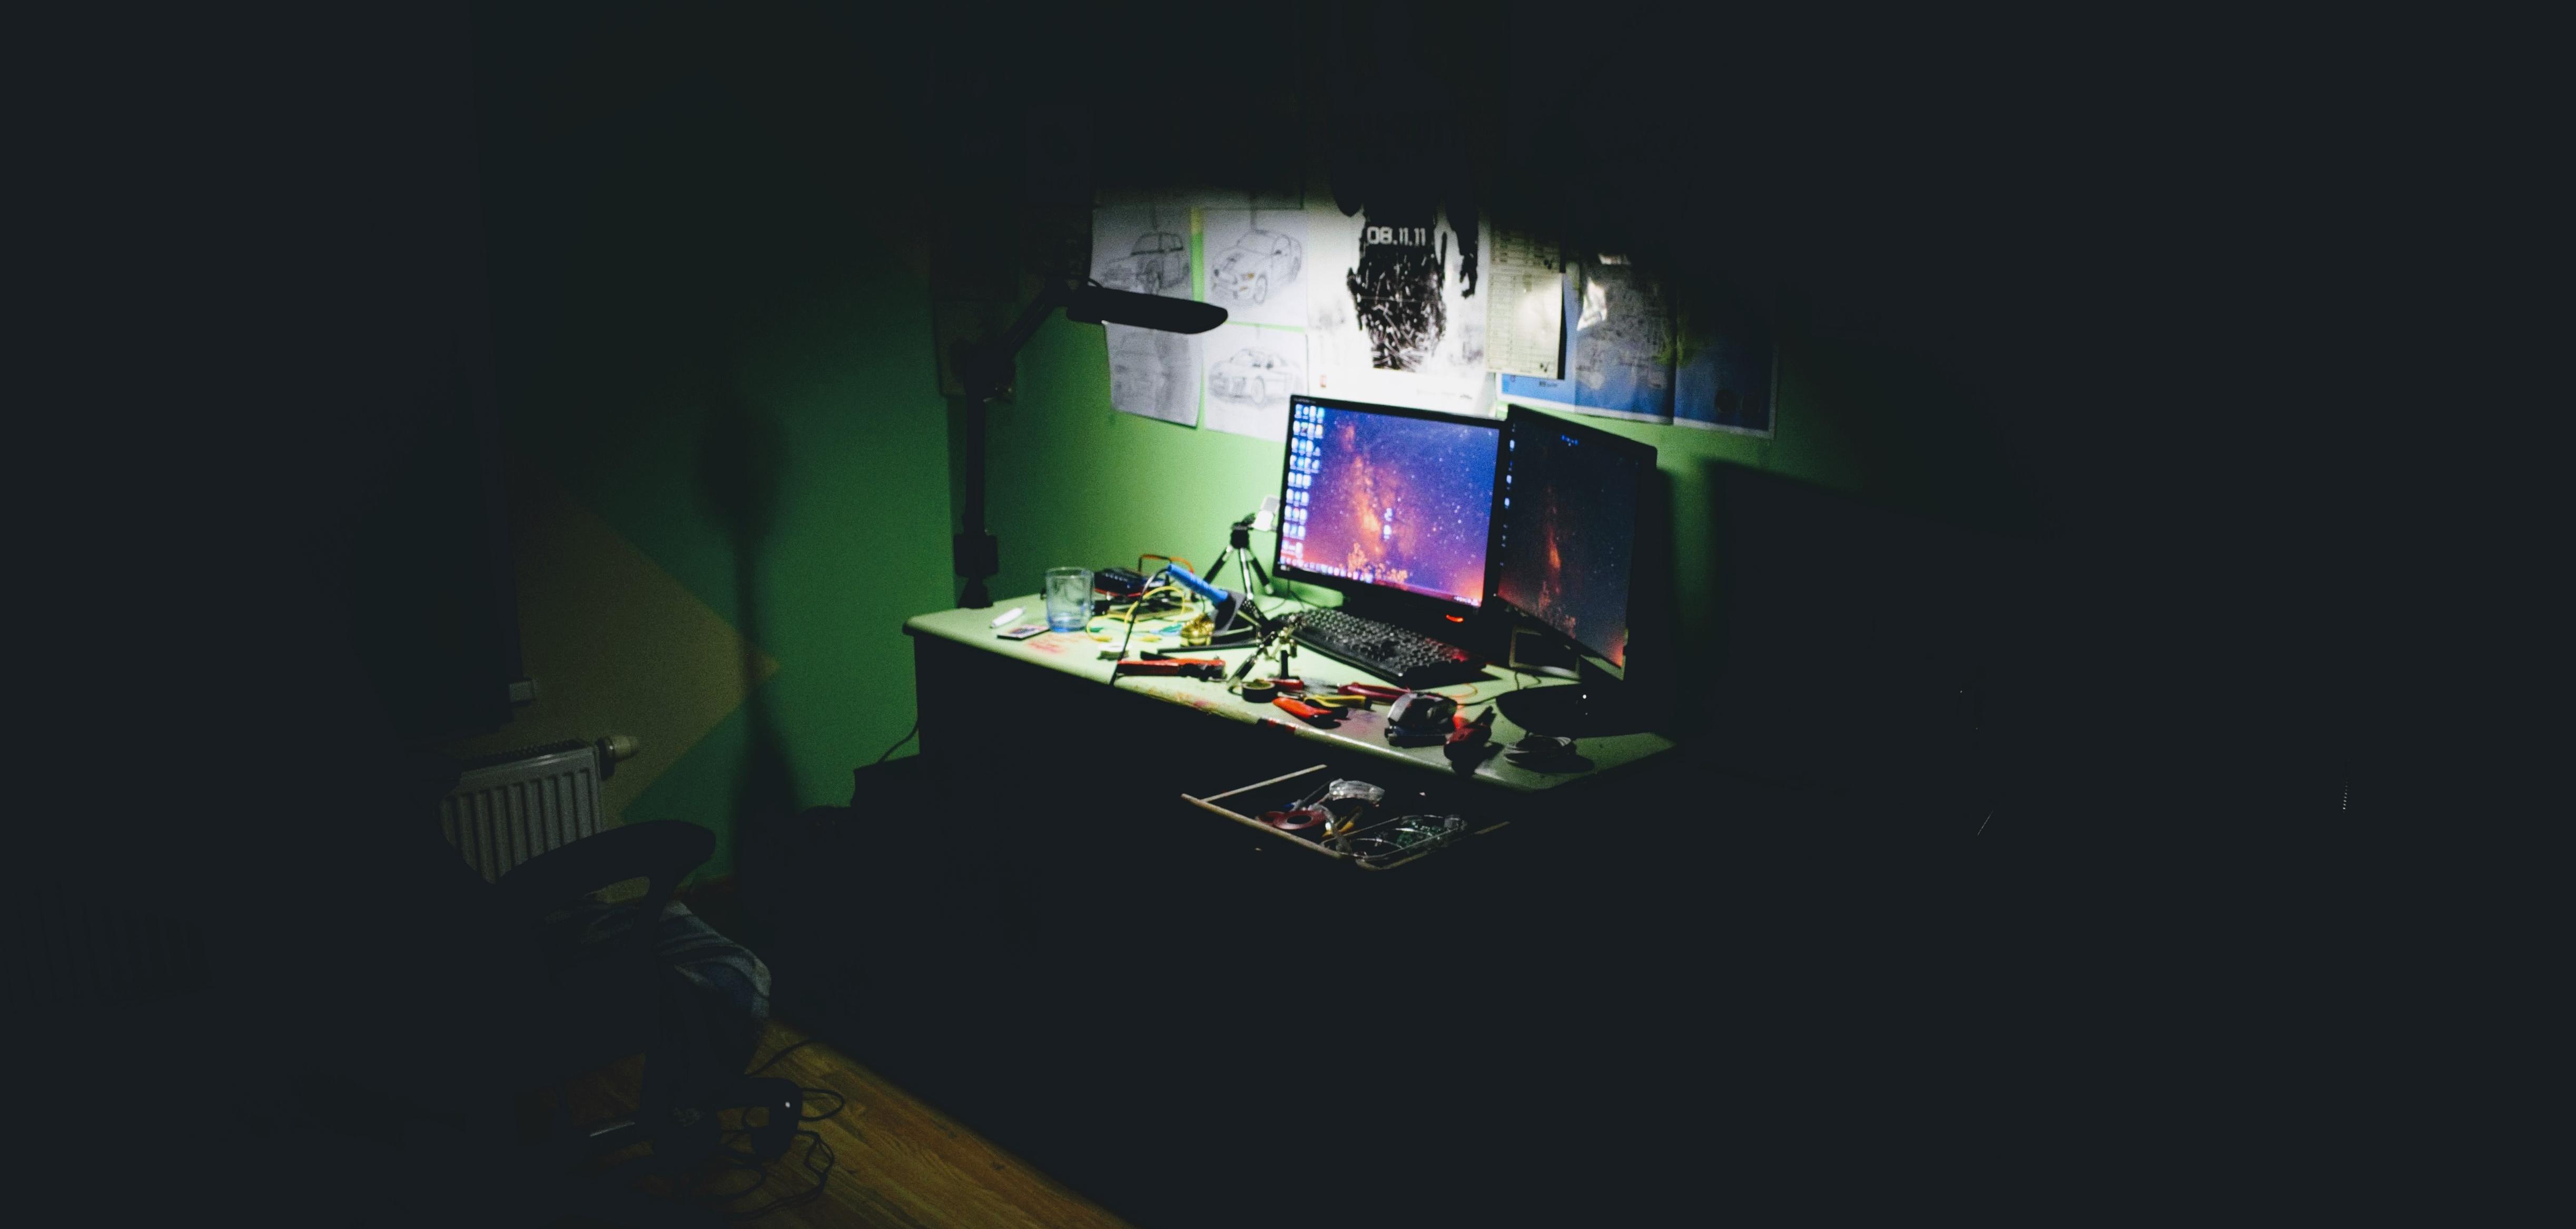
x: 1226, y: 603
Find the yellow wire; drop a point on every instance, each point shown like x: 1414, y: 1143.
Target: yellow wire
x: 1128, y: 615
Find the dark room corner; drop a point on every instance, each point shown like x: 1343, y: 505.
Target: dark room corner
x: 501, y: 486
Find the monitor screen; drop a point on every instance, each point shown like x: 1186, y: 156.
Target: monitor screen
x: 1568, y: 528
x: 1398, y: 499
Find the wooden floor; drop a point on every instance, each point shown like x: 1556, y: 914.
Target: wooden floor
x: 899, y: 1164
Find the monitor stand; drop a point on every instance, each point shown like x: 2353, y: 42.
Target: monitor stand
x: 1595, y: 705
x: 1399, y: 609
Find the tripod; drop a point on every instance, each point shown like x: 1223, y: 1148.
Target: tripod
x: 1253, y: 579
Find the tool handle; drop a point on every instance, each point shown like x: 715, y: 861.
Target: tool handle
x: 1304, y: 711
x: 1197, y: 586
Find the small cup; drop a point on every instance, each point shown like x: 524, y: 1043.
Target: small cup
x: 1068, y: 598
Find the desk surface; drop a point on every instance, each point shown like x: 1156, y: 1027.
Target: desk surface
x: 1076, y: 653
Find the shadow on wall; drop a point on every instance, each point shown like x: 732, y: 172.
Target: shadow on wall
x: 1850, y: 647
x: 1936, y: 434
x: 739, y: 468
x: 1851, y: 626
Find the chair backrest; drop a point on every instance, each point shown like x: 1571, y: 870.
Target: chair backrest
x: 660, y: 852
x: 606, y: 993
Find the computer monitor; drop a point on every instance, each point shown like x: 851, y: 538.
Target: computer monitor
x: 1568, y: 531
x: 1378, y: 501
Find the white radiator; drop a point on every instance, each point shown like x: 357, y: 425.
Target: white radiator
x: 508, y: 809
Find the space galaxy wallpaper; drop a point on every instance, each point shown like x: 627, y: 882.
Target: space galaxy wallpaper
x: 1568, y: 539
x: 1386, y: 500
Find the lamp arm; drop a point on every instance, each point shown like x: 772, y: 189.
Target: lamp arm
x: 987, y: 367
x: 986, y: 370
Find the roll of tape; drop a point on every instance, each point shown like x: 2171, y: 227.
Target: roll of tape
x: 1296, y: 820
x: 1259, y: 693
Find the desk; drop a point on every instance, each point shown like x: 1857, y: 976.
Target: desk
x: 1361, y: 734
x: 1180, y: 1017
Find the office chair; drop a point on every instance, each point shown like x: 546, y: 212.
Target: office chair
x: 609, y: 992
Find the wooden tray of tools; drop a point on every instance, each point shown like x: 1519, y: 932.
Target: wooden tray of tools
x: 1393, y: 828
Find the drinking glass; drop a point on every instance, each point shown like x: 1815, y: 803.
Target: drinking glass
x: 1068, y: 598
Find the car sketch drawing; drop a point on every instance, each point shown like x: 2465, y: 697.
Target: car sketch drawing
x: 1150, y: 373
x: 1254, y: 376
x: 1258, y: 263
x: 1159, y: 262
x: 1136, y: 372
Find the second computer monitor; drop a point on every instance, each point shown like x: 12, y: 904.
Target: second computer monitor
x: 1375, y: 497
x: 1566, y: 536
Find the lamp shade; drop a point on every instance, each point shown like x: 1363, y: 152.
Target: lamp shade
x: 1101, y: 305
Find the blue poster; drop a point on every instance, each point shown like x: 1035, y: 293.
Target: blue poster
x: 1724, y: 370
x: 1632, y: 352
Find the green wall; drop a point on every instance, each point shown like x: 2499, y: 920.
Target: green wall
x: 714, y: 337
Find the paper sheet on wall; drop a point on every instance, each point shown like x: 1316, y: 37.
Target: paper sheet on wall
x: 1256, y: 264
x: 1619, y: 348
x: 1250, y: 374
x: 1394, y: 314
x: 1524, y: 325
x: 1144, y: 248
x: 1154, y: 374
x: 1622, y: 359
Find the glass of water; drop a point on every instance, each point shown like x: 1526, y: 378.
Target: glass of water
x: 1068, y: 598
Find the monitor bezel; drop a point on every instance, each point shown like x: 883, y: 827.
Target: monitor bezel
x: 1388, y: 593
x: 1521, y: 416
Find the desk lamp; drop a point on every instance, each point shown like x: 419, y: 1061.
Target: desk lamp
x: 985, y: 369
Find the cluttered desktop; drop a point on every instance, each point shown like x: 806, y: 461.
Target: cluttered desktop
x: 1435, y: 560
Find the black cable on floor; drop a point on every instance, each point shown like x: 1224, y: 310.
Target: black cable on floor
x: 772, y: 1061
x: 838, y: 1102
x: 815, y: 1148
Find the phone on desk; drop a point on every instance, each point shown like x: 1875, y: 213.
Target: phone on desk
x: 1022, y: 632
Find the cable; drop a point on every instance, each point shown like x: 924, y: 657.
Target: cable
x: 815, y: 1145
x: 773, y: 1059
x: 1130, y: 615
x: 1130, y: 638
x: 822, y: 1176
x: 898, y: 743
x: 839, y: 1102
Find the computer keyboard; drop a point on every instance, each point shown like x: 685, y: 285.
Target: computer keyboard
x: 1405, y: 658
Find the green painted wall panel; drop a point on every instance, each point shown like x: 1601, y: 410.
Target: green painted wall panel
x: 712, y: 347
